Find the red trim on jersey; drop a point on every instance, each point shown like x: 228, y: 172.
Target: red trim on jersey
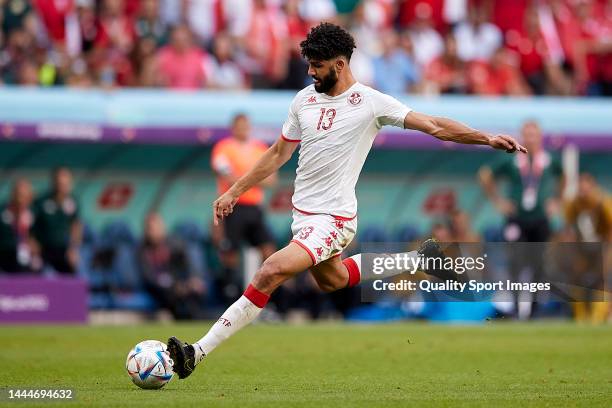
x: 257, y: 297
x: 353, y: 272
x: 337, y: 217
x: 289, y: 140
x: 314, y: 260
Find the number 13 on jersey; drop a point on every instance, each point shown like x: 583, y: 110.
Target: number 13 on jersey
x: 326, y: 120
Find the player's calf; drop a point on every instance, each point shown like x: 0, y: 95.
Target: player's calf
x: 333, y: 274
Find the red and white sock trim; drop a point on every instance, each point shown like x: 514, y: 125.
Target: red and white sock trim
x: 353, y: 271
x: 257, y: 297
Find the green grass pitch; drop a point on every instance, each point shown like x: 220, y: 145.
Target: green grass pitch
x: 320, y: 365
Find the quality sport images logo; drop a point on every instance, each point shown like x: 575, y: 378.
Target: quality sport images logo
x: 491, y: 271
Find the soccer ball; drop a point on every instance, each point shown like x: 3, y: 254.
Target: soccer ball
x: 149, y: 365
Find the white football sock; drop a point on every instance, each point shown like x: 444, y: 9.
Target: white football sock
x: 238, y: 315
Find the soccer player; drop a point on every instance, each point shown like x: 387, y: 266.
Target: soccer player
x: 335, y: 121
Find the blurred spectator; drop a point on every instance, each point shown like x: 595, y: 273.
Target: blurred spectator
x: 143, y: 60
x: 455, y: 11
x: 148, y: 24
x: 204, y: 18
x: 168, y: 274
x: 86, y: 15
x: 589, y: 215
x: 394, y: 71
x: 57, y: 228
x: 111, y: 67
x: 207, y: 18
x: 231, y: 159
x: 13, y: 13
x: 532, y: 50
x: 477, y: 38
x: 223, y: 71
x: 16, y: 252
x: 20, y: 48
x: 266, y: 45
x: 297, y: 69
x: 115, y: 28
x: 28, y: 73
x: 180, y: 64
x: 413, y: 10
x: 59, y: 19
x: 369, y: 19
x: 540, y: 53
x: 508, y: 15
x: 427, y: 42
x: 533, y: 180
x: 115, y: 37
x: 498, y: 77
x: 590, y: 212
x: 592, y: 47
x: 447, y: 73
x: 79, y: 76
x: 314, y: 11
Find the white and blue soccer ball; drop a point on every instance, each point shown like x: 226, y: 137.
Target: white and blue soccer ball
x: 149, y: 364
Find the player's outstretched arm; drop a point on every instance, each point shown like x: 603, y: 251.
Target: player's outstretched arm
x: 450, y: 130
x: 268, y: 164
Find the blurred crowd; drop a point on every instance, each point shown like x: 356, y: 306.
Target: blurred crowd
x: 485, y: 47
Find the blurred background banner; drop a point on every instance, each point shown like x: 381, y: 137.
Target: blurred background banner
x: 32, y: 299
x: 162, y: 117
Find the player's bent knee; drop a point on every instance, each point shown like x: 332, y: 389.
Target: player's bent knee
x: 269, y: 276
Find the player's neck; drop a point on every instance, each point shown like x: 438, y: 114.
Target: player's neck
x: 342, y: 85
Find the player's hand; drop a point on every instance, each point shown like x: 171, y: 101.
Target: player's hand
x: 223, y: 206
x: 507, y: 143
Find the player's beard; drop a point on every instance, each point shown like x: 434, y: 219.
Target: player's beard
x: 327, y: 82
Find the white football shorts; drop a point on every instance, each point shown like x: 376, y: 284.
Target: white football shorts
x: 323, y: 236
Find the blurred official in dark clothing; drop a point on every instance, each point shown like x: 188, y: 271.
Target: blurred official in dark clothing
x: 57, y: 228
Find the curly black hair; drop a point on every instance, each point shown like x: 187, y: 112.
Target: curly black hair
x: 327, y: 41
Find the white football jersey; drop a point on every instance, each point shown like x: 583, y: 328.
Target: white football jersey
x: 336, y: 134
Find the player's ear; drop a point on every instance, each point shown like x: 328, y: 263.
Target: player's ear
x: 340, y: 64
